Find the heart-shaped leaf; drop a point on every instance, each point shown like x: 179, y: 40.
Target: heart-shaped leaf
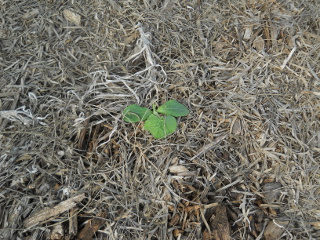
x: 173, y: 108
x: 160, y: 127
x: 135, y: 113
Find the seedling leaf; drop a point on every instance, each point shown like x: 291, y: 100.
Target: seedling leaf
x: 135, y: 113
x: 160, y: 127
x: 173, y: 108
x: 170, y: 124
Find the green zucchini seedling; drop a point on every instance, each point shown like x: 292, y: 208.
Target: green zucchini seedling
x: 158, y: 125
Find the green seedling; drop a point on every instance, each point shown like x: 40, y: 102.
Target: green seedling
x: 160, y: 122
x: 135, y: 113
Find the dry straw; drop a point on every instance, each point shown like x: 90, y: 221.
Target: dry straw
x: 244, y: 164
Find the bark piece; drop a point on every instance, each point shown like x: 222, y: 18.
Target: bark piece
x: 219, y: 225
x: 92, y: 227
x: 57, y: 232
x: 258, y: 44
x: 275, y: 229
x: 177, y: 169
x: 72, y: 17
x: 46, y: 214
x: 272, y: 191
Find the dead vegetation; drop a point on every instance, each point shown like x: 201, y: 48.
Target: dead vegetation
x: 244, y: 164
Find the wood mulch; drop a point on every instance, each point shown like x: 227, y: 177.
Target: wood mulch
x: 243, y: 164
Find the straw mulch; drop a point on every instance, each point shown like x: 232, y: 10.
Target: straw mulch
x: 244, y: 164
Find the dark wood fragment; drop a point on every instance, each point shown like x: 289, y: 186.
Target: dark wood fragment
x: 275, y: 229
x: 219, y: 225
x: 92, y: 227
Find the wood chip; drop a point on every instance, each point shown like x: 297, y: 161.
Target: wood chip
x: 272, y: 192
x: 72, y: 17
x: 57, y: 232
x: 48, y: 213
x: 258, y: 44
x: 92, y: 227
x: 275, y: 229
x: 219, y: 225
x: 236, y: 127
x: 174, y: 221
x: 247, y: 33
x: 316, y: 225
x: 178, y: 169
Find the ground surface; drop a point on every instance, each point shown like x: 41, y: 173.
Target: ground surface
x: 244, y: 164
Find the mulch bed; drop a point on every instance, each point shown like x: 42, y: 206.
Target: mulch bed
x: 243, y: 164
